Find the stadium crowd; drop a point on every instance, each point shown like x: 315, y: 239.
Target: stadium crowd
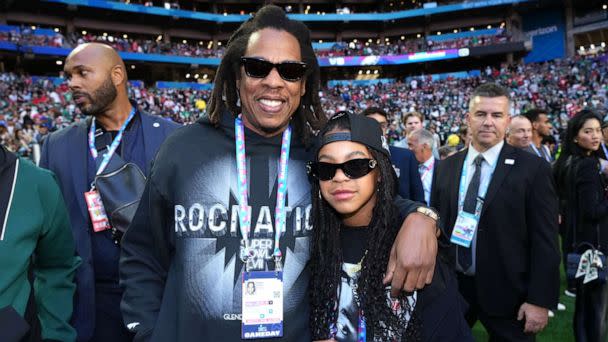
x: 407, y: 46
x: 129, y: 220
x: 389, y: 6
x: 122, y: 42
x: 30, y: 109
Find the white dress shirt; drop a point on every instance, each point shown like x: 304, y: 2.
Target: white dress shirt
x: 490, y: 157
x: 426, y: 170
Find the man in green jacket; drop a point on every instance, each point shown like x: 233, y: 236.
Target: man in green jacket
x: 34, y: 235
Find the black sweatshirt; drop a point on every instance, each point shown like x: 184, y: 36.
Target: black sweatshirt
x: 180, y: 264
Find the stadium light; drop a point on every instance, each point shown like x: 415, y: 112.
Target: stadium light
x: 205, y: 76
x: 370, y: 40
x: 196, y: 76
x: 360, y: 72
x: 439, y: 33
x: 366, y: 43
x: 219, y: 43
x: 132, y: 67
x: 489, y: 27
x: 376, y: 72
x: 386, y: 39
x: 320, y: 40
x: 605, y: 7
x: 105, y: 34
x: 367, y: 72
x: 111, y: 39
x: 33, y: 27
x: 159, y: 38
x: 418, y: 35
x: 200, y: 43
x: 125, y: 36
x: 603, y: 44
x: 582, y: 48
x: 592, y: 46
x: 455, y: 30
x: 185, y: 41
x: 472, y: 29
x: 84, y: 32
x: 59, y: 62
x: 402, y: 37
x: 187, y: 75
x: 56, y: 29
x: 354, y: 40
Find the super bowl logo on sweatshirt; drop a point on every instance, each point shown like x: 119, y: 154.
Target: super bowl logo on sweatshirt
x: 208, y: 236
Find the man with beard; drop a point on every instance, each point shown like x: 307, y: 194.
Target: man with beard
x: 239, y: 204
x: 541, y: 127
x: 97, y: 78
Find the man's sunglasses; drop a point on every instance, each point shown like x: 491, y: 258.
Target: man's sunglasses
x: 259, y: 68
x: 353, y: 169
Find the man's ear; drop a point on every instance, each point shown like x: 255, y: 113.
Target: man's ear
x: 303, y: 91
x: 118, y: 75
x: 535, y: 126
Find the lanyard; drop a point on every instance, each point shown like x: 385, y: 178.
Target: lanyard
x: 428, y: 169
x: 108, y: 155
x: 361, y: 329
x: 244, y: 211
x: 538, y: 153
x: 483, y: 187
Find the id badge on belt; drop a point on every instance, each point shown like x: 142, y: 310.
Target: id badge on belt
x: 99, y: 218
x: 262, y: 306
x: 464, y: 229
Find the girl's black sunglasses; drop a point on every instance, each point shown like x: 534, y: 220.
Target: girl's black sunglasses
x: 259, y: 68
x: 353, y: 169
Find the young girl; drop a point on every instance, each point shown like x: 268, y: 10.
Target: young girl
x: 353, y: 187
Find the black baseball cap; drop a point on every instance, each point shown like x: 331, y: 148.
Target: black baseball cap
x: 363, y: 130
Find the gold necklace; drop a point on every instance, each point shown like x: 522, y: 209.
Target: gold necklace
x: 357, y: 267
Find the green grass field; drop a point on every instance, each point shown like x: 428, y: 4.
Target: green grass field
x: 559, y: 328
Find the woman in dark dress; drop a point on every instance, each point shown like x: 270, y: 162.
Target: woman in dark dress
x: 582, y: 192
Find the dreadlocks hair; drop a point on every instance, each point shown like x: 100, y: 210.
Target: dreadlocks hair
x: 382, y: 323
x: 310, y: 115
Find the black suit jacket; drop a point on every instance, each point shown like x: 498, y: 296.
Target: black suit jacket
x: 410, y: 186
x: 65, y: 152
x: 517, y: 257
x: 434, y: 180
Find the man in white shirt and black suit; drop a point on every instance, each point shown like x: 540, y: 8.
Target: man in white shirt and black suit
x: 421, y: 142
x: 499, y: 214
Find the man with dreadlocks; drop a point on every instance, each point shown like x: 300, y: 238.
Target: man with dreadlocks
x: 216, y: 213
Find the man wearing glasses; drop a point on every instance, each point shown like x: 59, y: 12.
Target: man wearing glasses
x: 227, y: 202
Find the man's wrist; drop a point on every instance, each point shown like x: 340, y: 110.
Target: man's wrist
x: 429, y: 213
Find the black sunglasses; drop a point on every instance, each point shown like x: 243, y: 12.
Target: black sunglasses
x: 353, y: 169
x: 259, y: 68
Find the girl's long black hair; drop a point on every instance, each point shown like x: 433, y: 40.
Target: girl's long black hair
x: 570, y: 150
x: 382, y: 324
